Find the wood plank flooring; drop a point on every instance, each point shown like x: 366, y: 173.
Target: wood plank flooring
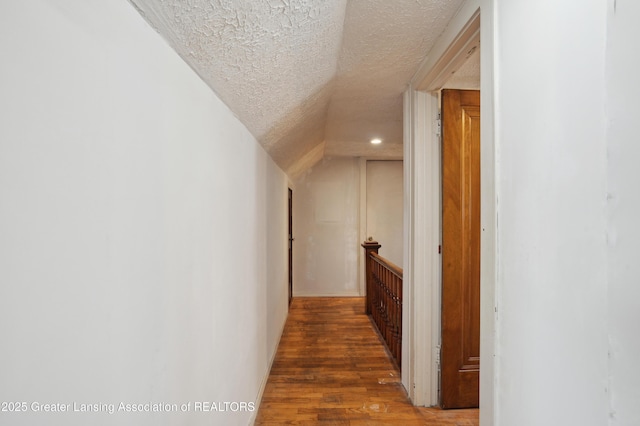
x: 331, y: 368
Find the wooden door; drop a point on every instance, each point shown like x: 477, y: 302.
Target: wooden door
x: 460, y: 356
x: 290, y: 245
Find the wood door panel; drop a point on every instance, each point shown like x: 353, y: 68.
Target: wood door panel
x: 460, y: 359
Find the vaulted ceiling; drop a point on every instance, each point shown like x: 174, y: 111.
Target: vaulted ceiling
x: 308, y: 78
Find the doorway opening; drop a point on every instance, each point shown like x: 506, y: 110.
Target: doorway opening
x: 423, y: 203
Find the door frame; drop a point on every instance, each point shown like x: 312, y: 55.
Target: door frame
x: 290, y: 239
x: 422, y: 264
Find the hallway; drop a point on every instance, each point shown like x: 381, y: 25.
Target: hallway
x: 331, y: 368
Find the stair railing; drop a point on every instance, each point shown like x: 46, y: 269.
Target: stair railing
x: 384, y: 298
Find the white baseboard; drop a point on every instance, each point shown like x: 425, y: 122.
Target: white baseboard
x: 263, y: 385
x: 328, y: 295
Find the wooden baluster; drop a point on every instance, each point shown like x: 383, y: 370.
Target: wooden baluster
x: 384, y: 309
x: 389, y: 307
x: 399, y: 320
x: 383, y: 302
x: 394, y: 300
x: 369, y: 247
x: 374, y: 292
x: 393, y: 315
x: 398, y: 324
x: 384, y: 298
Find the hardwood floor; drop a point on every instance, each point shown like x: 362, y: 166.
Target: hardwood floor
x: 332, y: 368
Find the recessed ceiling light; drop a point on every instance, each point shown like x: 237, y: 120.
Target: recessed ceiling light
x: 376, y: 141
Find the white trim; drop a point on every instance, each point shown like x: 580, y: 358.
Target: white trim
x: 328, y: 294
x: 265, y: 379
x: 433, y: 255
x: 446, y: 66
x: 407, y: 371
x: 451, y: 50
x: 422, y: 306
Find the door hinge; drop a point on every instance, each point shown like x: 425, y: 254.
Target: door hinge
x: 438, y: 350
x: 439, y: 125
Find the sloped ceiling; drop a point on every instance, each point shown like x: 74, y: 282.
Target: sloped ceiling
x: 308, y: 78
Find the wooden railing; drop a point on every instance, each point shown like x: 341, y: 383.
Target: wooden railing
x: 384, y: 297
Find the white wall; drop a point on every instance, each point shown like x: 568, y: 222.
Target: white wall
x: 142, y: 228
x: 325, y: 227
x: 623, y: 210
x: 385, y: 207
x: 336, y: 204
x: 552, y: 170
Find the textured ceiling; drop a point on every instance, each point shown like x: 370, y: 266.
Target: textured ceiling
x: 308, y: 78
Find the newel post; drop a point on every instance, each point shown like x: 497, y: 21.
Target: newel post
x: 369, y: 247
